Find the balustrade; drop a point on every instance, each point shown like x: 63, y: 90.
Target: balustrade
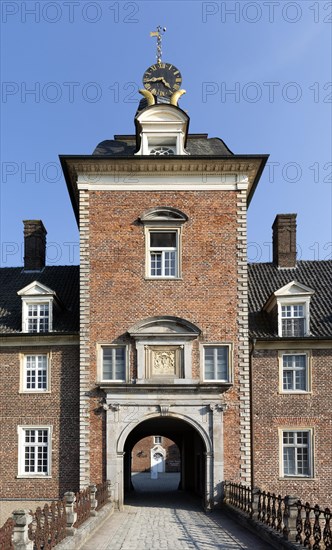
x: 309, y: 526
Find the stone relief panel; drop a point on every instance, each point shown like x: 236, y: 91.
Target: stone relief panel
x: 164, y: 361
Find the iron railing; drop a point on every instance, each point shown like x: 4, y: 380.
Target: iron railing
x: 82, y: 506
x: 101, y: 494
x: 6, y: 535
x: 239, y: 495
x: 48, y: 526
x: 309, y: 526
x: 313, y: 526
x: 271, y: 510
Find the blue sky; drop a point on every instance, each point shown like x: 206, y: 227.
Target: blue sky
x: 257, y: 74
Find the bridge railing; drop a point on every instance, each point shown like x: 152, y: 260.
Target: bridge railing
x: 6, y: 535
x: 308, y: 526
x: 48, y: 526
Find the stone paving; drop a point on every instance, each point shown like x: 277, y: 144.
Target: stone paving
x: 157, y: 517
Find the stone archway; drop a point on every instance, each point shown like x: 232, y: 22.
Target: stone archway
x: 190, y: 434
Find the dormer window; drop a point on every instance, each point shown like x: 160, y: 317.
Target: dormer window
x: 38, y: 317
x: 293, y: 320
x: 290, y: 305
x: 161, y: 130
x: 166, y: 151
x: 37, y: 308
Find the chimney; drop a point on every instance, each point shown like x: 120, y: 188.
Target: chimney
x: 34, y: 245
x: 284, y: 240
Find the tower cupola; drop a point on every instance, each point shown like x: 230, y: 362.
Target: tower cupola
x: 161, y: 126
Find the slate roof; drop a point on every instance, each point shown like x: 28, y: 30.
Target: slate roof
x: 64, y: 280
x: 197, y: 145
x: 266, y: 278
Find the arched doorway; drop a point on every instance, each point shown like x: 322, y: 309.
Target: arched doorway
x: 192, y: 447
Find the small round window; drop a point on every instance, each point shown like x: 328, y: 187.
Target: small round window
x: 162, y: 151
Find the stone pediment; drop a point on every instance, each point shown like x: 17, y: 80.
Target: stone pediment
x: 294, y: 288
x: 163, y: 114
x: 164, y: 326
x: 36, y: 289
x: 163, y: 214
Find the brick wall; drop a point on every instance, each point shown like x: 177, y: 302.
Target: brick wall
x: 272, y: 410
x: 141, y: 456
x: 59, y: 409
x: 119, y: 294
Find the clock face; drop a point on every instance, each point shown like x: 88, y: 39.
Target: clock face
x: 162, y: 79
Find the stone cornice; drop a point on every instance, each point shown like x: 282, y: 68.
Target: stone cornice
x: 301, y: 344
x: 23, y: 340
x: 161, y: 391
x: 92, y: 167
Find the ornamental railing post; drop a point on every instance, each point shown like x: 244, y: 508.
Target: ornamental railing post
x: 71, y: 515
x: 22, y: 519
x: 255, y: 502
x: 93, y: 500
x: 290, y: 518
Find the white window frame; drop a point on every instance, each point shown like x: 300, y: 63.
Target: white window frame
x: 100, y: 356
x: 227, y: 345
x: 293, y: 317
x: 177, y: 249
x: 36, y: 302
x: 294, y: 301
x: 23, y: 370
x: 166, y: 147
x: 157, y: 439
x: 21, y: 430
x: 281, y: 356
x: 297, y: 447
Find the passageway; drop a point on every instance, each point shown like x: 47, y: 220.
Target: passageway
x: 192, y: 449
x: 170, y: 520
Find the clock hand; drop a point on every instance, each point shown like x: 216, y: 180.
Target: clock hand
x: 153, y: 79
x: 158, y: 79
x: 165, y: 82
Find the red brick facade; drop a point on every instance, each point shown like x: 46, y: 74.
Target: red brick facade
x: 120, y: 295
x: 274, y: 411
x: 141, y: 455
x: 57, y: 408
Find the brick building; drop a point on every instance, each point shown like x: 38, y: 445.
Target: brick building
x: 162, y: 346
x: 39, y: 362
x: 156, y: 452
x: 290, y: 320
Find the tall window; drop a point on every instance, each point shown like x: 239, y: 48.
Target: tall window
x: 294, y: 372
x: 293, y: 320
x: 38, y: 317
x: 35, y: 373
x: 34, y: 451
x: 163, y: 253
x: 114, y: 363
x: 217, y: 363
x: 297, y: 453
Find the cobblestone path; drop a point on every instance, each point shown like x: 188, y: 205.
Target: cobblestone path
x: 170, y: 520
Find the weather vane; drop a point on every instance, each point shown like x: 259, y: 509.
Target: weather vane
x: 158, y: 33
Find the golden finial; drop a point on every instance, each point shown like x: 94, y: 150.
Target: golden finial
x: 149, y: 96
x: 176, y: 96
x: 158, y: 33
